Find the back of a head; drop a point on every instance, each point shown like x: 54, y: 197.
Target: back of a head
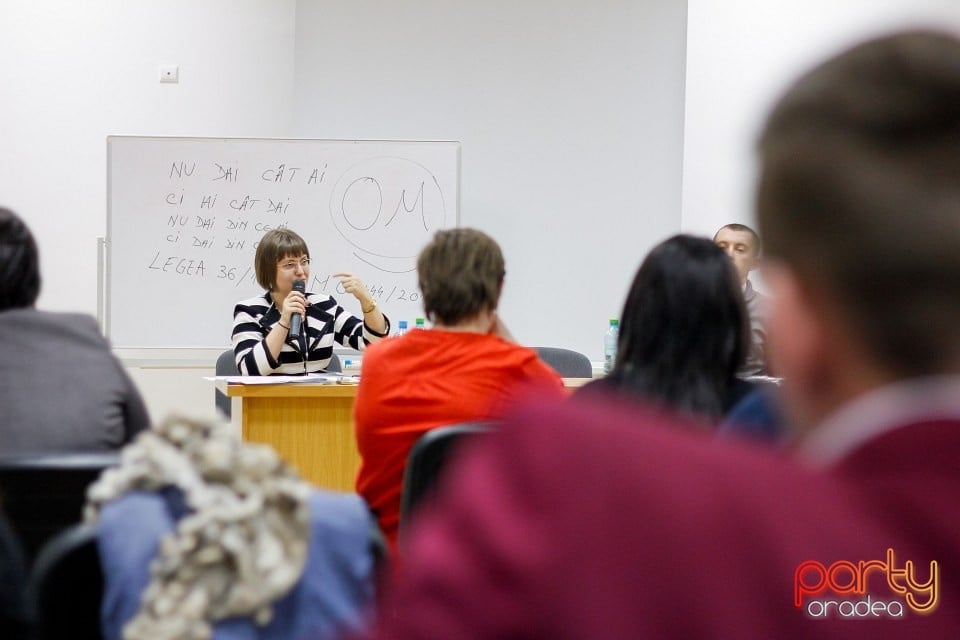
x: 460, y: 273
x: 683, y: 326
x: 859, y: 194
x: 19, y: 263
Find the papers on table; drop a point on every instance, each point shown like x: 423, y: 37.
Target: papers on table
x: 310, y: 378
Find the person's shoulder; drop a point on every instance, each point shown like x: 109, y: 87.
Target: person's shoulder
x: 752, y: 295
x: 35, y: 316
x: 338, y: 511
x: 633, y: 442
x: 258, y: 303
x: 376, y: 350
x: 552, y: 456
x: 596, y: 389
x: 508, y: 349
x: 133, y: 518
x: 60, y: 323
x: 515, y: 360
x: 385, y: 354
x: 260, y: 298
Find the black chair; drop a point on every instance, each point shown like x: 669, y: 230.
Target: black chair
x: 44, y: 494
x: 426, y: 461
x: 16, y: 619
x: 66, y: 585
x: 227, y: 366
x: 566, y: 362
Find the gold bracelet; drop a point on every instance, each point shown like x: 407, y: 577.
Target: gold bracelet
x: 373, y: 306
x: 283, y: 325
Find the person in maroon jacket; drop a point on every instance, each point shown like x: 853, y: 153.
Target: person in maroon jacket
x: 590, y: 520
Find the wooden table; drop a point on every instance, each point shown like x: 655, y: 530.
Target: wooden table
x: 309, y: 425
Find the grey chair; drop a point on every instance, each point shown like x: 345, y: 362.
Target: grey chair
x: 566, y: 362
x: 334, y: 366
x: 227, y: 366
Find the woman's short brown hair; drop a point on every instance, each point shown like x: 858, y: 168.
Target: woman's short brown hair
x: 460, y: 274
x: 274, y: 246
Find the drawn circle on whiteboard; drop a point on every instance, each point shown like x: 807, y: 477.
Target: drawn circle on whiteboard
x: 387, y: 208
x: 362, y: 203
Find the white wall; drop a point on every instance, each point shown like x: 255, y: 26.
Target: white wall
x: 740, y: 56
x: 570, y: 115
x: 75, y: 72
x: 570, y: 118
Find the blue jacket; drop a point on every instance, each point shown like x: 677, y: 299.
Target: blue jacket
x: 334, y: 596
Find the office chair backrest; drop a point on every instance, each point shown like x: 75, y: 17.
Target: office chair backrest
x: 66, y: 585
x: 566, y: 362
x: 426, y: 461
x: 334, y: 365
x: 226, y: 366
x: 44, y: 494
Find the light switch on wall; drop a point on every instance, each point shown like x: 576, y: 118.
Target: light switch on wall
x: 169, y: 73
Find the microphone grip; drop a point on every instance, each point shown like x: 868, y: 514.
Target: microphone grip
x: 295, y: 321
x: 295, y: 325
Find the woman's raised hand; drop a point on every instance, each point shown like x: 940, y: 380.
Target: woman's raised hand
x: 355, y: 287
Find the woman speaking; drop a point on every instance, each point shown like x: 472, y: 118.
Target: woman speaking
x: 290, y: 331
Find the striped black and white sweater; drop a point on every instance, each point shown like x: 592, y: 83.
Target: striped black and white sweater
x: 326, y: 323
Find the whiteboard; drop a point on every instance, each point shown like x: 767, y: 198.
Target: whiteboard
x: 184, y: 216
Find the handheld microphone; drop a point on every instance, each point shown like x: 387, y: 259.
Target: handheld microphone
x: 301, y: 286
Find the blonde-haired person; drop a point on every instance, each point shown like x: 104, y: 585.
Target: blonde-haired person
x: 465, y: 368
x: 262, y: 340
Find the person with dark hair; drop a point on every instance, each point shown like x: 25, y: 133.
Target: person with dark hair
x: 61, y: 389
x: 19, y: 263
x: 742, y: 244
x: 262, y: 340
x: 570, y: 522
x: 465, y: 368
x: 682, y: 332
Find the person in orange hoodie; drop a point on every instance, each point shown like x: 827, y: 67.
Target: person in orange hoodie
x: 466, y: 368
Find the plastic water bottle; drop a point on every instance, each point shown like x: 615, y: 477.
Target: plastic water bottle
x: 401, y: 328
x: 420, y: 323
x: 610, y: 345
